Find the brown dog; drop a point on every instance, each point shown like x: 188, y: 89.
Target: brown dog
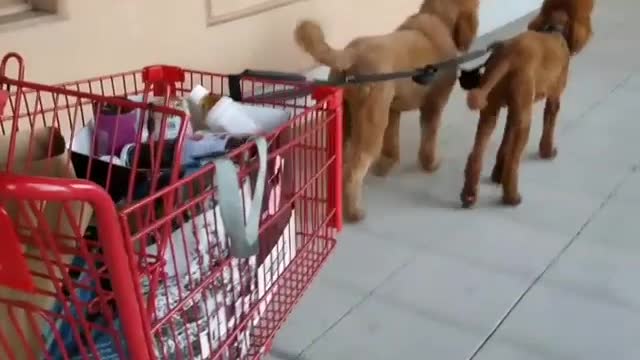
x: 372, y: 111
x: 521, y: 71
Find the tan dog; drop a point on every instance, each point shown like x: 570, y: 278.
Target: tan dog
x: 372, y: 111
x: 521, y: 71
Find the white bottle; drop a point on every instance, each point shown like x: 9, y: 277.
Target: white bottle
x: 228, y: 116
x: 194, y: 101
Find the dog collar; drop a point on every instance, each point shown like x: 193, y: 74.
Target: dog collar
x: 551, y: 29
x: 554, y: 30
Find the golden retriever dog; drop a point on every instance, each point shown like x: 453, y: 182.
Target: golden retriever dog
x: 438, y: 32
x: 521, y: 71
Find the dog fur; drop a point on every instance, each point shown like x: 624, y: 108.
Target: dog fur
x: 521, y: 71
x: 439, y: 31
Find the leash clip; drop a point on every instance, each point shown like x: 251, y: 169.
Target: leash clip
x: 425, y: 75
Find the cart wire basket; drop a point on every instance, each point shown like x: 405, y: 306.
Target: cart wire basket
x: 129, y: 259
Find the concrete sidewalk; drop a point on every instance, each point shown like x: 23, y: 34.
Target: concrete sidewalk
x: 551, y: 280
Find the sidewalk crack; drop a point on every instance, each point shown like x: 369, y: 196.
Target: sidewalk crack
x: 612, y: 194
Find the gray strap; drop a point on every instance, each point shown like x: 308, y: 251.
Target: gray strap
x: 244, y: 238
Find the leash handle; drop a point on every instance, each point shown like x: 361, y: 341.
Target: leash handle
x: 274, y: 75
x: 235, y: 86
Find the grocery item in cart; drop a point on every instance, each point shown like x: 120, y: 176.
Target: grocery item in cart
x: 59, y: 338
x: 115, y: 159
x: 223, y: 114
x: 113, y: 170
x: 199, y: 102
x: 173, y: 123
x: 41, y: 152
x: 111, y: 175
x: 228, y: 116
x: 195, y: 150
x: 197, y: 248
x: 115, y: 126
x: 212, y: 315
x: 240, y: 283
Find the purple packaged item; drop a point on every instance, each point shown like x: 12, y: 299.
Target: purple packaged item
x: 115, y: 127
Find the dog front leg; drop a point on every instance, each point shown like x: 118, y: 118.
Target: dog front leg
x: 486, y: 126
x: 520, y: 127
x: 547, y: 149
x: 430, y: 120
x: 369, y: 126
x: 348, y: 125
x: 498, y: 167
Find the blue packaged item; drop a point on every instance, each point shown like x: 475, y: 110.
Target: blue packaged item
x: 210, y: 145
x: 172, y: 342
x: 105, y: 346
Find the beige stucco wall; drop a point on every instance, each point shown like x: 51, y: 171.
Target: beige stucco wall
x: 101, y: 36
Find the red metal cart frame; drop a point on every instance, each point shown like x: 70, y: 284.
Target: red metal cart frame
x: 307, y: 206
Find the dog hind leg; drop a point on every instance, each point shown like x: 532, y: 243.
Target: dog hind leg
x: 369, y: 124
x: 486, y: 126
x: 520, y: 113
x: 390, y: 147
x: 547, y: 149
x: 430, y: 122
x: 498, y: 168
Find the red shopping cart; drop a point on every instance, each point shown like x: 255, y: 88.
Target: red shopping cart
x: 107, y: 260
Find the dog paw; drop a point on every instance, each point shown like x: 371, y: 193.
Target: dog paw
x: 512, y: 200
x: 468, y: 198
x: 548, y: 154
x: 382, y: 167
x: 429, y: 165
x: 354, y: 215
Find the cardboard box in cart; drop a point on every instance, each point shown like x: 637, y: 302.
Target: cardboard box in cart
x: 43, y: 154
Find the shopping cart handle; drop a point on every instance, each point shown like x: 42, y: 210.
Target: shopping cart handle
x: 163, y: 79
x: 19, y: 61
x: 235, y: 88
x: 274, y: 75
x: 162, y: 74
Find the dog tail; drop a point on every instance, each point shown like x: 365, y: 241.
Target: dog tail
x: 477, y: 98
x: 310, y: 38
